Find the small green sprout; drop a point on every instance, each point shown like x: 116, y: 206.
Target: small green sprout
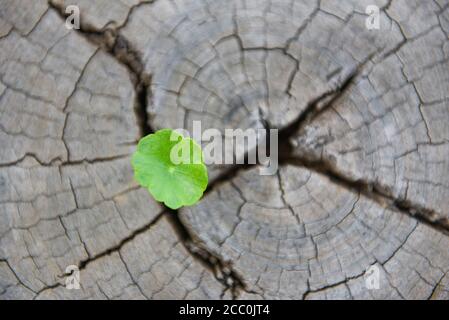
x: 171, y: 167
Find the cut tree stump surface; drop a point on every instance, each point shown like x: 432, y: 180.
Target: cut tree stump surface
x: 364, y: 143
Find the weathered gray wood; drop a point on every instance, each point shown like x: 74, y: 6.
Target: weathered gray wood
x: 389, y: 128
x: 363, y: 184
x: 297, y: 234
x: 66, y: 185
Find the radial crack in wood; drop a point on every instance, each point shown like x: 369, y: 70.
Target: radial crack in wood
x: 364, y: 111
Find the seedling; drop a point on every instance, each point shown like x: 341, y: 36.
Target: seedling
x: 171, y: 167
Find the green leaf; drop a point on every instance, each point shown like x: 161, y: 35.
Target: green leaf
x: 171, y: 167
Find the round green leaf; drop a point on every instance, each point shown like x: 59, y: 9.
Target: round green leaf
x: 171, y: 167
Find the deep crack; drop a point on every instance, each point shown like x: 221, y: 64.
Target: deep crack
x: 373, y: 191
x: 82, y: 265
x: 221, y: 269
x: 112, y: 42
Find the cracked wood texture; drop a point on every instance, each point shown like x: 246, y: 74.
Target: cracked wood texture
x: 364, y: 142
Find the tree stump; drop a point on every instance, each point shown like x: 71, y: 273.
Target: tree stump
x: 363, y: 140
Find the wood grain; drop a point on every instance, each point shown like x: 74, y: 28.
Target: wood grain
x: 362, y: 116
